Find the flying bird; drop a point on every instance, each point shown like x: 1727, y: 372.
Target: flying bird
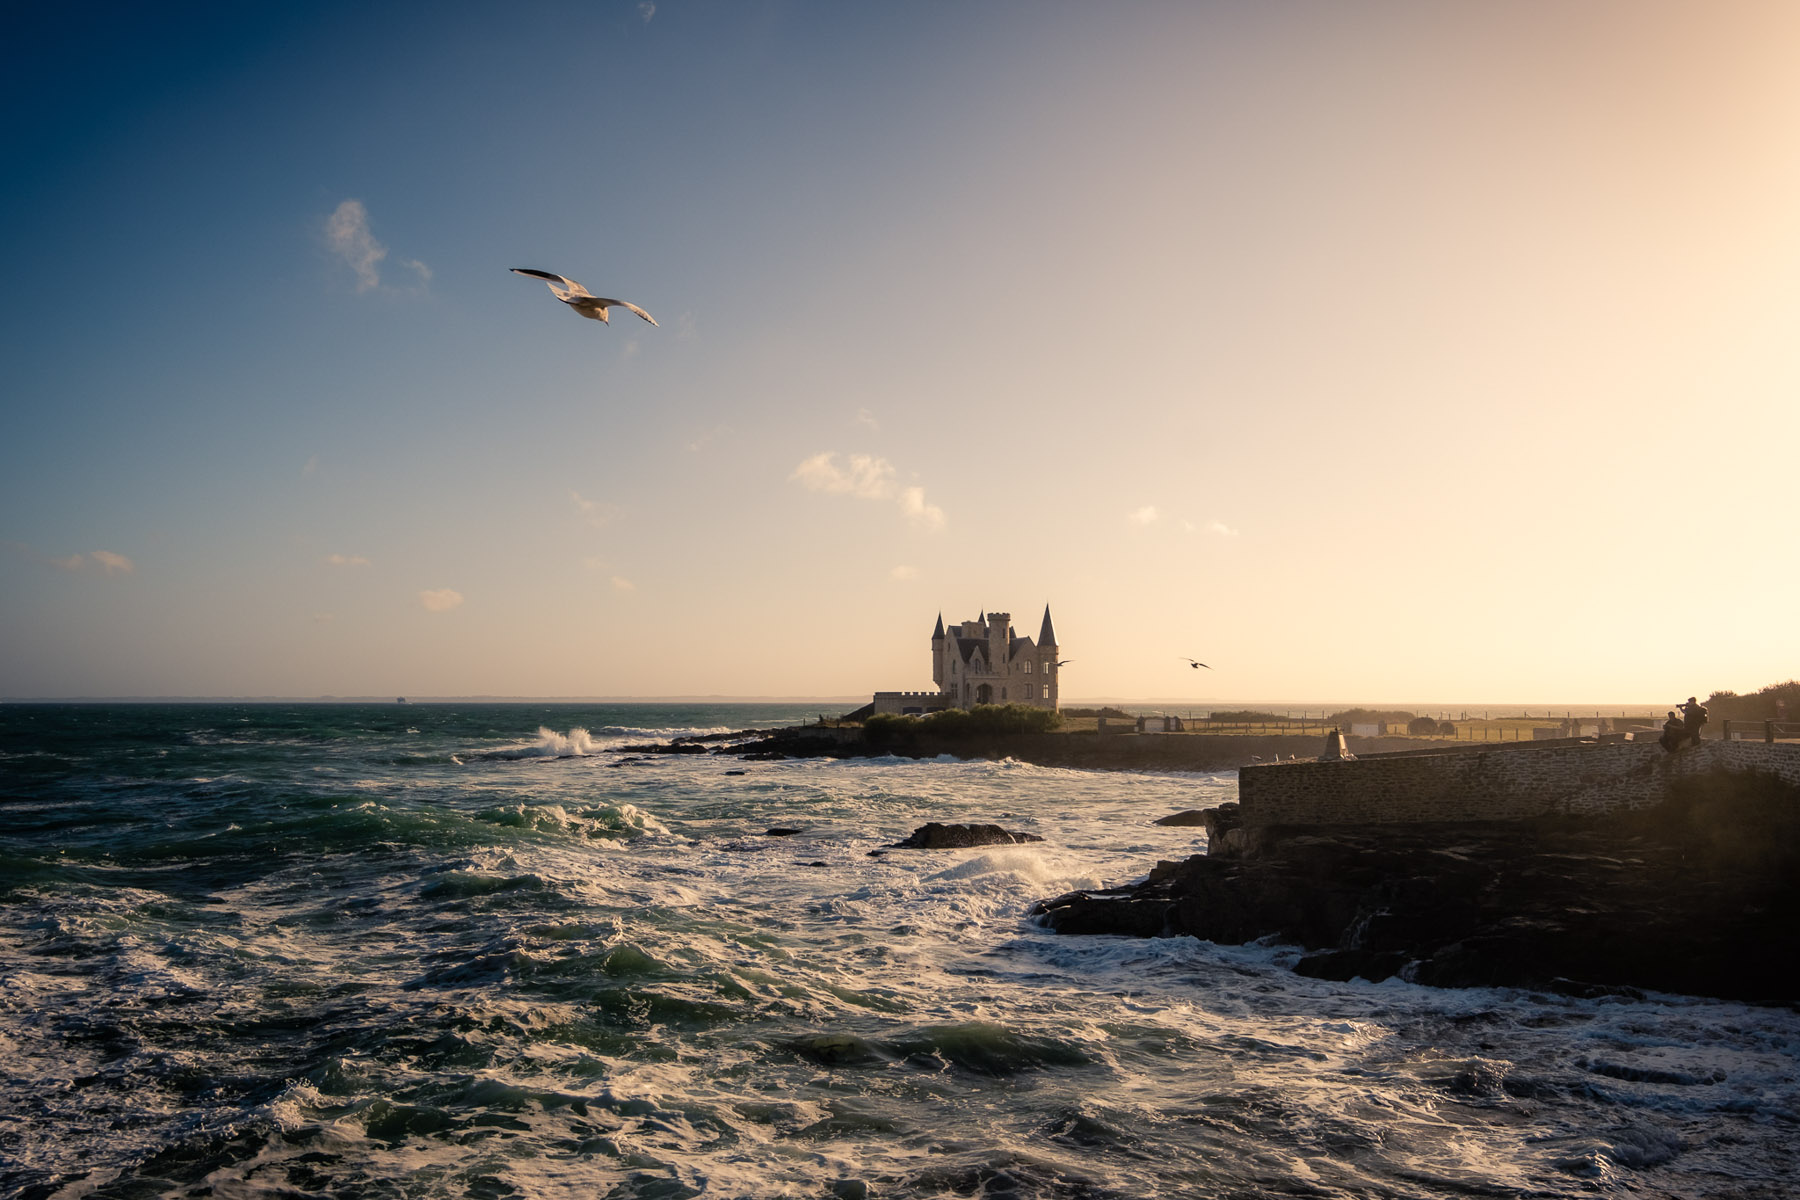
x: 1065, y: 662
x: 579, y: 298
x: 1195, y: 663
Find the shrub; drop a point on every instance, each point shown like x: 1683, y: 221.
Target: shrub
x: 884, y: 729
x: 989, y: 720
x: 1757, y: 706
x: 1422, y: 727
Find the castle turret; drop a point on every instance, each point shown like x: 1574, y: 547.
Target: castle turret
x: 1047, y: 634
x: 938, y: 664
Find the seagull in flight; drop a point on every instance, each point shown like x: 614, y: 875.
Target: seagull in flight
x: 1195, y: 663
x: 1065, y: 662
x: 579, y: 298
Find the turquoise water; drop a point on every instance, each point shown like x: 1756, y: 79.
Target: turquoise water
x: 478, y: 950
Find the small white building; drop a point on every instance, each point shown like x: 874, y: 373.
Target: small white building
x: 984, y: 662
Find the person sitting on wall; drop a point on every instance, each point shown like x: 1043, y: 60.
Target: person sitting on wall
x: 1673, y: 734
x: 1693, y: 716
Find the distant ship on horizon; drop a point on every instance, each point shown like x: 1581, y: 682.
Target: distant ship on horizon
x: 399, y: 699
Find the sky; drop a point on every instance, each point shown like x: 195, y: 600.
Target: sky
x: 1387, y: 352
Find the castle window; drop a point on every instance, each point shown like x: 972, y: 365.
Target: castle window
x: 1028, y: 666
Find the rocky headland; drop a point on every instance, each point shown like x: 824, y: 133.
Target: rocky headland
x: 1698, y: 895
x: 1084, y: 750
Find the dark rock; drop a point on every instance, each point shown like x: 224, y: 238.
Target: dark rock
x: 1700, y: 896
x: 1191, y: 816
x: 736, y: 772
x: 936, y: 836
x: 1343, y: 965
x: 780, y: 831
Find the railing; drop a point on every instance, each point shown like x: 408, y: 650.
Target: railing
x: 1759, y: 731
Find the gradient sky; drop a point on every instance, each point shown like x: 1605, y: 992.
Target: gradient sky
x: 1392, y: 352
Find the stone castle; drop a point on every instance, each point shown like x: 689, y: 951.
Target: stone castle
x: 984, y: 662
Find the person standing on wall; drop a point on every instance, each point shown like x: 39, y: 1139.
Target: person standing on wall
x: 1693, y: 716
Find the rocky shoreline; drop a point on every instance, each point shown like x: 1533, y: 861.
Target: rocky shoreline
x: 1700, y: 896
x: 1081, y: 751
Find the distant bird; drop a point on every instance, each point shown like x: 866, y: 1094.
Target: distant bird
x: 1195, y: 663
x: 1065, y: 662
x: 580, y: 299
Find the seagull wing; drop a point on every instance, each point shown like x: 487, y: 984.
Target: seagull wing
x: 629, y: 305
x: 569, y: 286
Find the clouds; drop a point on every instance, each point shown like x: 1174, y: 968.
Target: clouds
x: 867, y: 478
x: 104, y: 561
x: 346, y: 560
x: 441, y: 599
x: 925, y: 516
x: 1149, y: 514
x: 593, y: 512
x: 348, y: 236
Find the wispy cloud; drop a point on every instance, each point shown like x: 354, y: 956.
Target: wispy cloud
x: 1147, y: 515
x: 346, y: 560
x: 867, y: 478
x: 865, y: 417
x: 105, y: 561
x: 904, y: 572
x: 441, y: 599
x: 348, y: 235
x: 622, y: 584
x: 706, y: 437
x: 926, y: 516
x: 593, y: 512
x: 646, y: 10
x: 310, y: 468
x: 1221, y: 528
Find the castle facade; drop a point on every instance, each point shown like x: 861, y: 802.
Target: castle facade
x: 984, y: 662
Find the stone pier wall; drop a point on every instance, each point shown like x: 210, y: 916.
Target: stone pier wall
x: 1491, y: 785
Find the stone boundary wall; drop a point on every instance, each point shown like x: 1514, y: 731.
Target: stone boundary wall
x: 1492, y: 785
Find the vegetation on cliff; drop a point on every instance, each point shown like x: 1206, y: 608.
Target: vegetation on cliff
x: 957, y: 724
x: 1777, y: 702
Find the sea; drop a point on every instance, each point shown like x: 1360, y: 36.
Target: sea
x: 480, y: 950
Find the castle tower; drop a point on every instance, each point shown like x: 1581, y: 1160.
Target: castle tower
x: 999, y: 643
x: 938, y: 664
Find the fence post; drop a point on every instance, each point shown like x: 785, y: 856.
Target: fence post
x: 1768, y: 731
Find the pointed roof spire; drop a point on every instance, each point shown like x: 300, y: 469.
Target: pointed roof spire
x: 939, y: 631
x: 1047, y: 635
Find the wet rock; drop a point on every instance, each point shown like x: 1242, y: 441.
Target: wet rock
x: 1343, y: 965
x: 1700, y: 896
x: 1191, y: 816
x: 936, y: 836
x: 780, y: 831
